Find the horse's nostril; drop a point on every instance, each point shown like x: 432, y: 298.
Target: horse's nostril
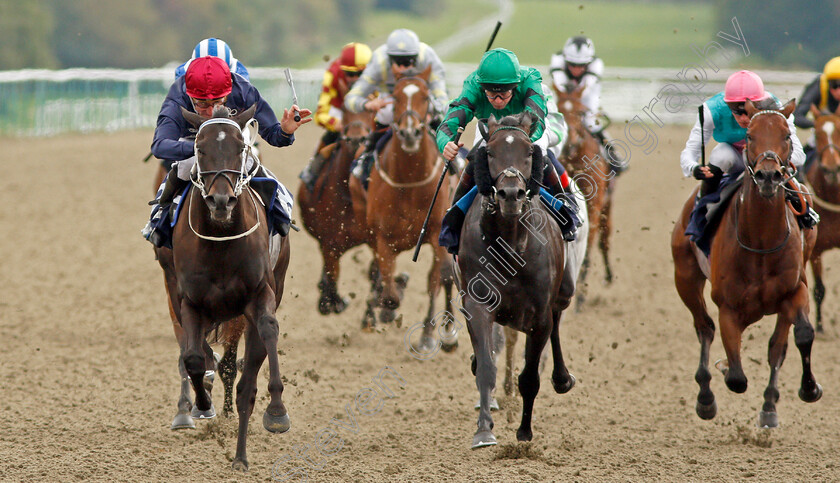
x: 520, y: 194
x: 501, y: 194
x: 777, y: 177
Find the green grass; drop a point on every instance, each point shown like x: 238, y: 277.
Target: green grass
x: 625, y: 33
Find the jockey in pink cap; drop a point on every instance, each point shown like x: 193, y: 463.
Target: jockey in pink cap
x: 725, y: 120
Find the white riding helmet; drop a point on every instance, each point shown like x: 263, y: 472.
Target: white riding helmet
x: 402, y: 43
x: 579, y: 50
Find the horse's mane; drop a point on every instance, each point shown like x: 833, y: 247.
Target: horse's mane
x: 481, y: 168
x: 222, y: 111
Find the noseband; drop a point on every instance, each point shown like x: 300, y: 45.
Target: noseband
x: 243, y: 177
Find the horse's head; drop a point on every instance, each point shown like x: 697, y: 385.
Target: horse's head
x: 355, y: 129
x: 510, y: 167
x: 220, y: 152
x: 769, y: 147
x: 570, y: 105
x: 827, y: 132
x: 411, y: 108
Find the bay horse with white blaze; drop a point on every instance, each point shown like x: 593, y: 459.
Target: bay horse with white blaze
x: 396, y: 202
x: 327, y: 210
x: 582, y: 156
x: 823, y: 178
x: 756, y: 268
x: 223, y: 268
x: 525, y: 244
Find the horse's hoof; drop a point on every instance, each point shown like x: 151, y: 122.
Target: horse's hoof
x: 494, y: 405
x: 706, y: 411
x: 483, y: 439
x: 813, y: 396
x: 401, y: 280
x: 723, y: 366
x: 276, y: 424
x: 182, y: 421
x: 566, y: 386
x: 449, y: 347
x: 340, y: 305
x: 426, y: 345
x: 768, y: 420
x: 387, y: 315
x: 206, y: 414
x: 240, y: 465
x: 524, y: 434
x: 325, y: 306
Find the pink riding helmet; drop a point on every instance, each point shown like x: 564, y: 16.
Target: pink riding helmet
x: 744, y: 85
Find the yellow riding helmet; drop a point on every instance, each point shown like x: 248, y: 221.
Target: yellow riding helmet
x: 354, y: 57
x: 832, y: 69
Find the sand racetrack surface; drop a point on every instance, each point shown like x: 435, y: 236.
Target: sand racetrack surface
x: 89, y: 381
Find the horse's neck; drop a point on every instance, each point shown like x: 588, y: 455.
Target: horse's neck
x: 585, y: 146
x: 511, y: 230
x: 200, y: 218
x: 761, y: 221
x: 407, y: 167
x: 824, y: 188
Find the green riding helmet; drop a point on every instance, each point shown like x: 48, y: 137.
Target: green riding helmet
x: 498, y: 70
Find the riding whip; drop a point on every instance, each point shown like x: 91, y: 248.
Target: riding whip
x: 493, y: 37
x: 702, y: 137
x: 294, y: 94
x: 434, y: 198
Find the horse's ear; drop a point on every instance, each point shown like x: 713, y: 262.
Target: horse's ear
x: 192, y: 118
x: 816, y: 111
x: 427, y: 73
x: 245, y: 116
x: 789, y: 107
x: 578, y: 92
x: 485, y: 126
x: 750, y: 108
x: 528, y: 121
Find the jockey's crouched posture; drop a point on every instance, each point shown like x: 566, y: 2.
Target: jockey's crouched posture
x: 403, y: 54
x: 500, y: 87
x: 726, y: 120
x: 208, y: 83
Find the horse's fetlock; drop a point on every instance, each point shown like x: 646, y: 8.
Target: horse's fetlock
x: 702, y: 376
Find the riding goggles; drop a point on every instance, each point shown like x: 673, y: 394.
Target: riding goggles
x: 737, y: 109
x: 206, y: 103
x: 403, y: 60
x: 834, y: 84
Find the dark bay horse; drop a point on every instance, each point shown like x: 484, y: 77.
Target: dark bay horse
x: 401, y: 186
x: 823, y: 179
x: 756, y: 268
x: 525, y: 285
x: 224, y: 265
x: 327, y: 211
x: 595, y: 177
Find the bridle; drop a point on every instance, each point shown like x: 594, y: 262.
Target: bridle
x: 421, y: 121
x: 243, y: 177
x: 357, y: 140
x: 509, y: 172
x: 784, y: 163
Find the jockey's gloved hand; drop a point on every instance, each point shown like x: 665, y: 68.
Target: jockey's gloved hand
x: 700, y: 174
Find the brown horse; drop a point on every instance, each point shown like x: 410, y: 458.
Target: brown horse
x: 224, y: 265
x: 583, y: 158
x: 327, y: 211
x: 824, y: 185
x: 228, y: 336
x: 395, y: 205
x: 756, y: 268
x: 525, y: 286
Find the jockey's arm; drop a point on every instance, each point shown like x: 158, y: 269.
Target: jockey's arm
x: 166, y: 143
x: 534, y: 101
x: 591, y: 98
x: 325, y: 115
x: 461, y: 111
x: 557, y: 72
x: 437, y: 80
x: 691, y: 153
x: 797, y: 156
x: 270, y: 128
x: 357, y: 96
x: 810, y: 96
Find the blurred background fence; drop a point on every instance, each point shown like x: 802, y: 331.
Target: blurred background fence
x: 50, y: 102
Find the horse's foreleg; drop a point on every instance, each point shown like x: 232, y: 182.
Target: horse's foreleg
x: 246, y: 392
x: 731, y: 329
x: 511, y: 337
x: 529, y: 378
x: 183, y: 419
x: 193, y: 355
x: 605, y: 228
x: 819, y: 287
x: 433, y: 283
x: 481, y: 335
x: 449, y: 342
x: 330, y: 301
x: 227, y: 372
x: 392, y: 287
x: 803, y: 334
x: 689, y: 280
x: 275, y: 418
x: 562, y: 380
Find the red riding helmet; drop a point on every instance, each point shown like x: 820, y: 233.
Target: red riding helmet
x: 208, y: 78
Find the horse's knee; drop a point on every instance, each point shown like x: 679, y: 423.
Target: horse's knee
x: 194, y: 364
x: 268, y: 327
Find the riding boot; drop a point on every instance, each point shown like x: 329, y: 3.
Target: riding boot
x: 364, y: 164
x: 567, y: 218
x: 453, y: 220
x: 171, y: 188
x: 810, y: 218
x: 615, y: 161
x: 708, y: 186
x: 312, y: 170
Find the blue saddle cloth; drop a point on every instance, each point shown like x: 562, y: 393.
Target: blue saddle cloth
x: 279, y: 200
x: 707, y: 212
x: 450, y: 233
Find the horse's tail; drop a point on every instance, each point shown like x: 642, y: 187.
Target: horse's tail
x: 229, y: 332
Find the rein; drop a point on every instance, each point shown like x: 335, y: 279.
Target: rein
x: 758, y: 250
x: 387, y: 179
x: 509, y: 172
x: 231, y: 237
